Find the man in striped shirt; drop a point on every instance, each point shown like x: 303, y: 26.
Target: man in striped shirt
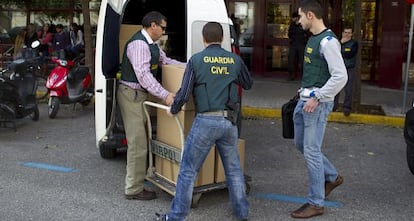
x: 141, y: 61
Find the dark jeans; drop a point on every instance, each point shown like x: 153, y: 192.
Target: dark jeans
x: 348, y: 92
x: 295, y: 59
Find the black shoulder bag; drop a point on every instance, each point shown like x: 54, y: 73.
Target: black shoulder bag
x: 287, y: 117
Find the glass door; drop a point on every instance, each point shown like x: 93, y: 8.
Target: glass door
x: 242, y: 15
x: 276, y: 40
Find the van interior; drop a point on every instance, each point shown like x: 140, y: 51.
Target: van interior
x: 174, y: 44
x: 176, y: 23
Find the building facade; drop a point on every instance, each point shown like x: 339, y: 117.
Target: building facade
x: 264, y: 42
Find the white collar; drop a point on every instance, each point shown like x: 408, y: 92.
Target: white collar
x: 146, y: 35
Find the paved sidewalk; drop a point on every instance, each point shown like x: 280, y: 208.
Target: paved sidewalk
x: 269, y: 94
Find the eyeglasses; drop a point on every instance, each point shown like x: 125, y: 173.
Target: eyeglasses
x: 162, y: 27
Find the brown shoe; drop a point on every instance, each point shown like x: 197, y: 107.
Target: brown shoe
x: 307, y: 211
x: 329, y: 186
x: 143, y: 195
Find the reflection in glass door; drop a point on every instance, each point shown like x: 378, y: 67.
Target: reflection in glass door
x: 243, y: 20
x: 276, y: 35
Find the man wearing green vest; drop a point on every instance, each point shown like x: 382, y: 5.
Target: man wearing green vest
x: 349, y: 50
x: 324, y: 75
x: 141, y: 60
x: 213, y: 75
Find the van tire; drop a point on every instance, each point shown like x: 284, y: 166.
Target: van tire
x: 107, y: 152
x: 410, y: 158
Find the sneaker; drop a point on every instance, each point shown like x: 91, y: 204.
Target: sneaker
x: 160, y: 217
x: 329, y: 186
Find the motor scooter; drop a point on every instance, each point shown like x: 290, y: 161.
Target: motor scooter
x: 68, y: 83
x: 18, y: 90
x: 409, y: 137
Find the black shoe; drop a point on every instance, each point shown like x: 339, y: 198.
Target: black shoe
x: 160, y: 217
x: 143, y: 195
x: 347, y: 113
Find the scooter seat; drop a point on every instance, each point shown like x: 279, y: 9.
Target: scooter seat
x: 78, y: 73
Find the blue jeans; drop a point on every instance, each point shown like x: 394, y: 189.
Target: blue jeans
x: 309, y: 133
x: 204, y: 133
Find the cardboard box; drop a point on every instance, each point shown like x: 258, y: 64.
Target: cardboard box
x: 172, y: 76
x: 219, y: 169
x: 167, y: 129
x: 153, y: 110
x: 125, y: 33
x: 169, y: 170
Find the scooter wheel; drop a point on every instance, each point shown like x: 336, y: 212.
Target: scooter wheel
x: 35, y: 114
x: 54, y: 104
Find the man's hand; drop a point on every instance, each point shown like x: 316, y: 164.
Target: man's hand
x: 170, y: 99
x: 310, y: 105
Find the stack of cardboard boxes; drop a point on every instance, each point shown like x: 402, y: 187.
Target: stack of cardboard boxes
x: 168, y: 132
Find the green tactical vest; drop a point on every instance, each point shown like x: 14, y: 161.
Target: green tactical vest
x: 216, y: 72
x: 347, y: 48
x: 315, y: 68
x: 128, y: 73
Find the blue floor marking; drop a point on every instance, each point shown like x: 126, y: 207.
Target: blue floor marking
x: 293, y: 199
x: 49, y: 167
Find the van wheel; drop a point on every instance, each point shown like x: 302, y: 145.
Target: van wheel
x: 54, y: 104
x: 106, y: 152
x: 410, y: 158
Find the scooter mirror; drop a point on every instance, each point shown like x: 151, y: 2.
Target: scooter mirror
x: 35, y: 44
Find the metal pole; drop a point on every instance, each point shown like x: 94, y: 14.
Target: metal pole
x: 407, y: 68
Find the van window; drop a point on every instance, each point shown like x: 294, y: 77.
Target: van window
x: 197, y: 44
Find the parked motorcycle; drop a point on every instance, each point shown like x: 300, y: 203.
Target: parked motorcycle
x: 409, y: 137
x: 18, y: 90
x: 68, y: 82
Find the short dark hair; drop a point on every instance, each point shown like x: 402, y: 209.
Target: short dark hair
x: 295, y: 15
x: 153, y: 16
x: 312, y: 6
x: 348, y: 27
x: 213, y: 32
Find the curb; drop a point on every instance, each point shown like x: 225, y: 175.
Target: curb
x: 333, y: 117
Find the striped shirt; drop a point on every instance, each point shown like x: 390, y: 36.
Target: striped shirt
x: 139, y: 55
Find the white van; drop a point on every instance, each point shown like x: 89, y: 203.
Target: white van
x: 118, y: 20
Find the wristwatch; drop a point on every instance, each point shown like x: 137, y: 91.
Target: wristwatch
x: 313, y: 96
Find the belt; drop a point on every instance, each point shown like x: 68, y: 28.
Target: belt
x: 135, y: 89
x: 215, y: 113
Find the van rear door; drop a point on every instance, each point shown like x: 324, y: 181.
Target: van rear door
x: 122, y: 18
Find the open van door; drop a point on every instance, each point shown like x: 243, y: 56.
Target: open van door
x: 118, y: 21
